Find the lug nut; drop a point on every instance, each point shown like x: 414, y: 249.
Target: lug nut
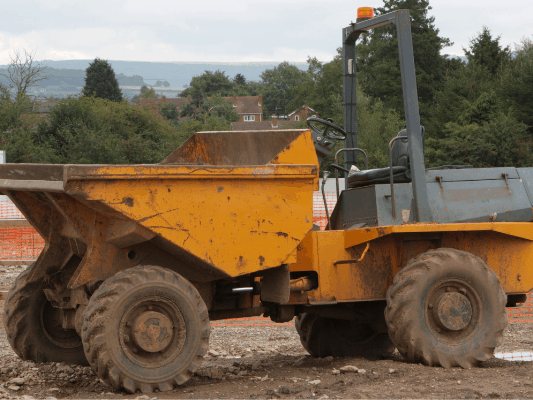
x: 448, y: 289
x: 462, y: 291
x: 128, y: 323
x: 430, y: 305
x: 126, y: 338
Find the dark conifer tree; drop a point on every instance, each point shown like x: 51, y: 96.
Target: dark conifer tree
x: 378, y: 58
x: 100, y: 81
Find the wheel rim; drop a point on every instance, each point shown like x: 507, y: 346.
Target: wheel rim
x: 152, y: 332
x: 453, y: 311
x: 51, y: 323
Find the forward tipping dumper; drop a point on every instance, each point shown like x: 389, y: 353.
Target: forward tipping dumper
x: 139, y: 258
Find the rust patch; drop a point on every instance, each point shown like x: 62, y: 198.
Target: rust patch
x: 128, y: 201
x: 261, y: 260
x: 220, y: 189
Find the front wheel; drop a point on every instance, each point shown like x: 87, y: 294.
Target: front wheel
x: 146, y: 328
x: 446, y: 307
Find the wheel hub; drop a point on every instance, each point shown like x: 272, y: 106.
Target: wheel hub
x: 454, y: 311
x: 152, y: 331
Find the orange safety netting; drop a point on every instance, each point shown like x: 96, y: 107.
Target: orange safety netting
x: 8, y: 209
x: 524, y: 313
x: 24, y: 243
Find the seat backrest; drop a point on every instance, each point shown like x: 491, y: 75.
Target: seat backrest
x: 400, y: 149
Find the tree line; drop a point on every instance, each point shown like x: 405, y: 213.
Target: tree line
x: 476, y: 111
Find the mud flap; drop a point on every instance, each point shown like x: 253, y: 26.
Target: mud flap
x: 275, y: 285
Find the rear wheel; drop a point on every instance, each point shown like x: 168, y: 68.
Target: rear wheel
x: 446, y: 307
x: 323, y: 337
x: 34, y: 327
x: 146, y: 328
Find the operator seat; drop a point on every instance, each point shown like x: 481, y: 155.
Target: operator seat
x: 400, y: 166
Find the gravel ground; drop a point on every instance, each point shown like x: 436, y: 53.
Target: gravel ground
x: 269, y: 362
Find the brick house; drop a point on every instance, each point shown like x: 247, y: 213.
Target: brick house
x: 277, y: 121
x: 301, y: 114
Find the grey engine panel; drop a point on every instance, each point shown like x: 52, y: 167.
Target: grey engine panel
x: 461, y: 195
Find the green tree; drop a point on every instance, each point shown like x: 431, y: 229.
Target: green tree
x: 17, y: 127
x: 208, y: 84
x: 377, y: 54
x: 518, y: 83
x: 278, y: 87
x: 376, y: 126
x: 482, y: 136
x: 145, y: 93
x: 467, y: 82
x: 99, y: 131
x: 485, y: 51
x: 214, y: 106
x: 239, y: 79
x: 169, y: 111
x: 100, y: 81
x: 321, y: 89
x: 500, y: 142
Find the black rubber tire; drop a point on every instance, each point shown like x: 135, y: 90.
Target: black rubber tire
x: 33, y: 329
x: 324, y: 337
x: 410, y: 311
x: 135, y: 289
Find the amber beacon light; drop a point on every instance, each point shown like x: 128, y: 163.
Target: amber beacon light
x: 364, y: 13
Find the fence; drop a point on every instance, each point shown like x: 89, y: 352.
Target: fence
x: 20, y: 243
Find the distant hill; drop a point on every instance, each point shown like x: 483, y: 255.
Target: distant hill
x: 178, y: 74
x: 68, y: 77
x: 69, y: 81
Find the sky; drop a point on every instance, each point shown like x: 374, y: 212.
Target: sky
x: 225, y: 31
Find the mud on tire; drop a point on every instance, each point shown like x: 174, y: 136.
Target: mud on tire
x: 33, y: 326
x: 446, y: 307
x: 323, y: 337
x: 146, y: 328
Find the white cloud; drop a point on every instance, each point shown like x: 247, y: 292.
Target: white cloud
x: 273, y: 30
x: 54, y: 54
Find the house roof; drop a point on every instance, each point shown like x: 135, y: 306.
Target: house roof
x: 262, y: 125
x: 247, y: 104
x: 302, y: 108
x: 241, y: 104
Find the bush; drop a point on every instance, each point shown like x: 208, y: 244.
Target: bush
x: 99, y: 131
x: 499, y: 142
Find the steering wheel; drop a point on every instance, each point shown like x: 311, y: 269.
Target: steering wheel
x: 330, y: 130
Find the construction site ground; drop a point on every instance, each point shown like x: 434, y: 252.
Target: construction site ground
x: 269, y: 362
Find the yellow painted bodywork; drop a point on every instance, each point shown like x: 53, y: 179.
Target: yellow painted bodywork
x: 238, y: 219
x: 506, y: 247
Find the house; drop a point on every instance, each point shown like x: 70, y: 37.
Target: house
x: 263, y: 125
x: 249, y: 108
x: 277, y: 121
x: 301, y: 114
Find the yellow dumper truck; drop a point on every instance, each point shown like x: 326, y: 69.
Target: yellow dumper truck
x: 139, y: 258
